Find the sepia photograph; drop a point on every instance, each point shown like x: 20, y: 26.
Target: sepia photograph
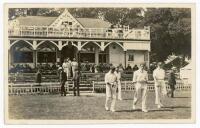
x: 99, y: 63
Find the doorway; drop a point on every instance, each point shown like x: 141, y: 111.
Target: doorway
x: 68, y: 51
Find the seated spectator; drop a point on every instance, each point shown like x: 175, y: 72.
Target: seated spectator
x: 135, y: 68
x: 54, y: 67
x: 87, y: 66
x: 121, y: 68
x: 128, y: 68
x: 12, y: 69
x: 38, y: 77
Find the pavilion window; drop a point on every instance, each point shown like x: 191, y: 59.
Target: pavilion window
x: 46, y: 54
x: 146, y: 57
x: 23, y: 57
x: 87, y: 57
x: 46, y: 57
x: 130, y: 57
x: 103, y: 56
x: 88, y: 54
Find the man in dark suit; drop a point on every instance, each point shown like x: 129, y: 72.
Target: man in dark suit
x: 76, y: 78
x: 172, y: 82
x: 63, y: 79
x: 38, y: 79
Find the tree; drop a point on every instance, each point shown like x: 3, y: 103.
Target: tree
x: 170, y: 31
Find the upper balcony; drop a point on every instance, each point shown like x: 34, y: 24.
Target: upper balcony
x: 101, y: 33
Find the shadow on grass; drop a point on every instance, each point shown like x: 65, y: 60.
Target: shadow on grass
x: 172, y: 107
x: 155, y: 110
x: 136, y: 110
x: 128, y: 99
x: 179, y: 97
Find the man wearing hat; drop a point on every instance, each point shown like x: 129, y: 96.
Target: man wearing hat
x: 63, y: 79
x: 160, y: 87
x: 172, y: 82
x: 140, y: 78
x: 111, y: 87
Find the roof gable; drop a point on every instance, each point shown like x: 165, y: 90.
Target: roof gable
x: 36, y: 20
x: 93, y: 23
x: 56, y: 22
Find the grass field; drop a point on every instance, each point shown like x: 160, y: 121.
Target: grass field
x: 91, y: 106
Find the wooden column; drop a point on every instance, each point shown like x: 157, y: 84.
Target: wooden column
x: 79, y: 68
x: 124, y: 59
x: 58, y: 57
x: 96, y: 56
x: 35, y: 58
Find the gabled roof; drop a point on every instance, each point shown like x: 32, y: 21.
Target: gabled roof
x: 46, y: 21
x: 36, y: 20
x: 93, y: 23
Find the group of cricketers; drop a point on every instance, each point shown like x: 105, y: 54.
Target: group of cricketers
x: 140, y: 79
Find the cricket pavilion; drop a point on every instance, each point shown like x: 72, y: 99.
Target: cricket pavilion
x: 37, y: 40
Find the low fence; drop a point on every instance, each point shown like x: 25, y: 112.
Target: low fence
x: 129, y: 86
x: 95, y: 86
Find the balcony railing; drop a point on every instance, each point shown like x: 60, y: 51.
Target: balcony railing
x: 115, y: 33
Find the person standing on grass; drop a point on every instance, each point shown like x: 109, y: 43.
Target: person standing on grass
x: 67, y: 67
x: 111, y: 87
x: 140, y: 78
x: 160, y: 87
x: 38, y: 79
x: 63, y: 79
x: 76, y: 78
x: 172, y: 82
x: 118, y: 74
x: 74, y: 66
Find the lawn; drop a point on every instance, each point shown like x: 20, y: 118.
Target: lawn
x: 91, y: 106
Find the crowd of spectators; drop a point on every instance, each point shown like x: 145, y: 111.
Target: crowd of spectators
x: 21, y: 68
x: 84, y: 67
x: 26, y: 68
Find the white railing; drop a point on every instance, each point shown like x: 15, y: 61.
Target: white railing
x: 51, y: 88
x: 129, y: 86
x: 45, y: 31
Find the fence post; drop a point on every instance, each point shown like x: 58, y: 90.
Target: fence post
x: 93, y: 86
x: 67, y: 86
x: 125, y: 85
x: 11, y: 88
x: 31, y: 89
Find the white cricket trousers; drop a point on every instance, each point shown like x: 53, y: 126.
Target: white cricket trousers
x: 160, y: 91
x: 119, y: 90
x: 111, y: 95
x: 140, y: 91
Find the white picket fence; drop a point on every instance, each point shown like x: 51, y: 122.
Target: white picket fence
x: 129, y: 86
x: 97, y: 86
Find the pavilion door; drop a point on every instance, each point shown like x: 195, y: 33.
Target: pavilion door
x: 68, y: 52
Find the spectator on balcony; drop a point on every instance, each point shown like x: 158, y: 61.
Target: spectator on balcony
x: 63, y: 79
x: 135, y: 68
x: 74, y: 65
x: 128, y: 68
